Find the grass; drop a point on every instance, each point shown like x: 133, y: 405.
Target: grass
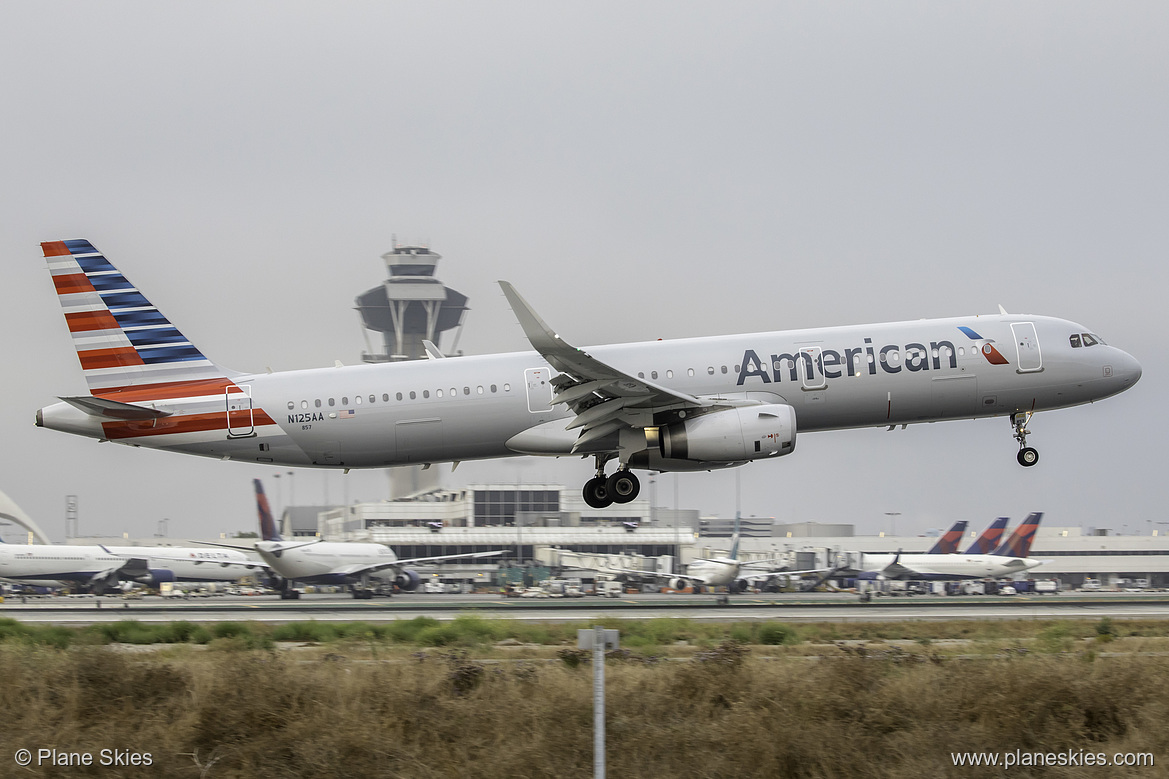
x: 887, y: 708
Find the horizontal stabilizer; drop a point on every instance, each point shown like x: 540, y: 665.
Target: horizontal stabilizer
x: 113, y: 409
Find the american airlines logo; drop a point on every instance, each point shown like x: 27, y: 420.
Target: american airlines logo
x: 809, y: 363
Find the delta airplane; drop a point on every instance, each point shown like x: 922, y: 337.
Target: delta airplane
x: 103, y: 568
x: 313, y: 561
x: 681, y: 405
x: 1010, y: 559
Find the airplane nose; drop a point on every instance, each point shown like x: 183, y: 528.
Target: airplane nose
x: 1127, y: 369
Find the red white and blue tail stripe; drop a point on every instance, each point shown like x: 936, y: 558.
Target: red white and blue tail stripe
x: 122, y: 340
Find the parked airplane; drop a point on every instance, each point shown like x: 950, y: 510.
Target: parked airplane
x: 705, y: 572
x: 691, y: 404
x: 313, y: 561
x: 1010, y: 559
x: 103, y: 568
x: 989, y: 540
x: 948, y: 543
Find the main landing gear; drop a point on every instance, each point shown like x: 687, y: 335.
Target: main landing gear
x: 1027, y: 456
x: 601, y: 491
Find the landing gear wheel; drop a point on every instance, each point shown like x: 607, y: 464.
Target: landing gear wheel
x: 623, y: 486
x: 596, y: 493
x: 1028, y: 457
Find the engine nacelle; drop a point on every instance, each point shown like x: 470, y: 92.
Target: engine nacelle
x: 407, y: 580
x: 678, y: 584
x: 733, y: 435
x: 159, y: 575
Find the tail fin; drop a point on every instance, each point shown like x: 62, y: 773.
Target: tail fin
x: 990, y: 538
x: 268, y: 531
x: 948, y: 543
x: 1019, y: 544
x: 122, y: 340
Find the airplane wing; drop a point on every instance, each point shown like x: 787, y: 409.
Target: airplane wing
x: 358, y: 570
x: 603, y: 398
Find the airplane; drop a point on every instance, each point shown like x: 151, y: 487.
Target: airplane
x: 679, y: 405
x: 706, y: 572
x: 948, y: 543
x: 1010, y: 559
x: 989, y: 540
x: 103, y: 568
x: 313, y: 561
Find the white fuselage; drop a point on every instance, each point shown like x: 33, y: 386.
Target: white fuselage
x: 946, y: 566
x: 499, y: 405
x: 23, y: 562
x: 326, y: 562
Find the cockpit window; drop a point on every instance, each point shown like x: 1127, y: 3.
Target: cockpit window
x: 1085, y: 339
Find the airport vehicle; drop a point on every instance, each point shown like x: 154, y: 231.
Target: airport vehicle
x: 680, y: 405
x: 103, y: 568
x: 948, y: 542
x: 360, y: 566
x: 1009, y: 560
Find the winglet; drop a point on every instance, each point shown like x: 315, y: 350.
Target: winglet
x: 432, y: 351
x: 541, y: 336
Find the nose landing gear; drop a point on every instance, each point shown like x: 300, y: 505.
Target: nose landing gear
x: 1027, y: 456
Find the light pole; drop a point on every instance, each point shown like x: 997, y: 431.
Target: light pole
x: 892, y: 515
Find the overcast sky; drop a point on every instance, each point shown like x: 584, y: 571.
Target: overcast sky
x: 638, y: 170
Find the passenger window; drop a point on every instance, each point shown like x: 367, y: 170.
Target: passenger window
x: 507, y: 387
x: 357, y: 400
x: 317, y: 402
x: 1075, y: 339
x: 426, y: 393
x: 304, y: 404
x: 332, y: 402
x: 710, y: 370
x: 653, y: 375
x: 291, y: 405
x: 385, y: 397
x: 413, y: 395
x: 493, y: 388
x: 345, y: 401
x: 640, y: 375
x: 724, y: 369
x: 669, y: 374
x: 479, y: 389
x: 690, y: 372
x: 373, y: 398
x: 466, y: 390
x: 438, y: 393
x: 454, y: 392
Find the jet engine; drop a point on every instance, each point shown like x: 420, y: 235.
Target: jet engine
x: 407, y: 580
x: 156, y: 576
x: 732, y: 435
x: 679, y: 584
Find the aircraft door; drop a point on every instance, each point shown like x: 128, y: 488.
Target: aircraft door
x: 1027, y: 347
x: 539, y: 384
x: 810, y: 367
x: 240, y: 420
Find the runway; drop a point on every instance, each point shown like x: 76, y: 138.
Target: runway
x: 827, y: 607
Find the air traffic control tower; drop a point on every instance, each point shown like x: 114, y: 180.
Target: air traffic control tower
x: 410, y: 307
